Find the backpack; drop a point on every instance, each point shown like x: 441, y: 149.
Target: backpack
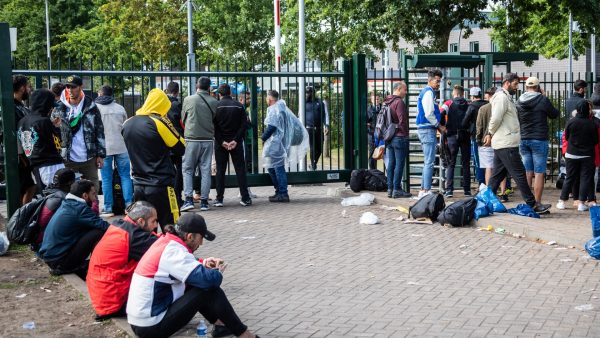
x: 428, y: 206
x: 384, y: 128
x: 118, y: 207
x: 459, y: 213
x: 297, y: 130
x: 357, y: 180
x: 23, y: 224
x: 375, y: 180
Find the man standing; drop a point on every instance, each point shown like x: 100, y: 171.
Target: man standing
x: 504, y: 136
x: 83, y: 143
x: 316, y: 120
x: 174, y: 115
x: 113, y: 117
x: 198, y: 115
x: 372, y: 112
x: 397, y: 147
x: 469, y: 123
x: 458, y: 139
x: 578, y: 95
x: 534, y: 110
x: 116, y: 256
x: 275, y: 148
x: 230, y: 127
x: 21, y: 92
x: 428, y: 122
x: 150, y: 138
x: 73, y: 232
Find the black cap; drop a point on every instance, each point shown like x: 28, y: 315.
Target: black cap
x: 195, y: 224
x: 74, y: 81
x: 63, y: 177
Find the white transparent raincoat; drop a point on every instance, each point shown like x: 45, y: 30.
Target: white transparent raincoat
x: 278, y: 149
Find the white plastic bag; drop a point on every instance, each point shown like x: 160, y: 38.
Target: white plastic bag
x: 369, y: 218
x: 4, y: 243
x: 362, y: 200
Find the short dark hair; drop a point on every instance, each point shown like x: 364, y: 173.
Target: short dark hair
x: 172, y: 87
x: 106, y: 90
x: 491, y: 91
x: 510, y: 77
x: 80, y: 187
x: 397, y: 85
x: 19, y: 81
x: 579, y: 84
x: 244, y: 92
x: 57, y: 88
x: 204, y: 83
x: 460, y: 90
x: 273, y: 93
x: 224, y: 89
x: 433, y: 73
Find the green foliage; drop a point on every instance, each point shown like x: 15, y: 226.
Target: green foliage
x: 542, y: 26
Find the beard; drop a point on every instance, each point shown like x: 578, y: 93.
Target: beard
x: 25, y: 96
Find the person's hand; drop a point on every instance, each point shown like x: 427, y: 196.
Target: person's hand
x: 55, y: 121
x: 99, y: 162
x: 232, y: 145
x: 487, y: 140
x: 442, y: 129
x: 212, y: 262
x: 225, y: 145
x: 542, y: 91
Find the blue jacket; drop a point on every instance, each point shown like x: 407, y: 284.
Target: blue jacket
x: 68, y: 224
x: 422, y: 121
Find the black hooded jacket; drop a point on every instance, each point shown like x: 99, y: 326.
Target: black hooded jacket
x: 456, y: 114
x: 37, y: 135
x: 581, y: 132
x: 534, y: 112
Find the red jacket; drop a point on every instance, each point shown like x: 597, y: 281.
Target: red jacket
x: 112, y: 264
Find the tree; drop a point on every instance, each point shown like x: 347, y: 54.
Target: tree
x: 542, y: 26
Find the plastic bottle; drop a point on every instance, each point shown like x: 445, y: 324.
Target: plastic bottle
x: 202, y: 330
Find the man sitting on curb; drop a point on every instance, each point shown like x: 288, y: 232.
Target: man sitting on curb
x: 73, y: 232
x: 170, y: 285
x: 116, y: 256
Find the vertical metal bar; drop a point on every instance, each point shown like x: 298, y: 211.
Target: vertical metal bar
x: 254, y: 118
x: 359, y: 78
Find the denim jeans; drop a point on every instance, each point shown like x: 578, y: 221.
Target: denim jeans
x: 123, y: 167
x: 428, y: 141
x: 397, y: 150
x: 479, y: 172
x: 197, y: 154
x: 279, y: 178
x: 534, y: 154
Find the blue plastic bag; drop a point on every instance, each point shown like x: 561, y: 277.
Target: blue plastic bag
x: 487, y: 196
x: 483, y: 209
x: 524, y: 210
x: 593, y: 247
x: 595, y: 216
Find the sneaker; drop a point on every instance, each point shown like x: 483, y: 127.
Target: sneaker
x: 389, y: 194
x: 218, y: 203
x: 106, y: 214
x: 582, y: 207
x: 187, y: 205
x: 449, y: 194
x: 509, y: 191
x: 423, y: 193
x: 560, y: 205
x: 204, y: 205
x: 468, y: 193
x: 221, y: 331
x: 246, y: 203
x: 279, y: 199
x: 541, y: 208
x: 402, y: 194
x: 504, y: 197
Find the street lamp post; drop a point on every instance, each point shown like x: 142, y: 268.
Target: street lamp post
x: 48, y: 37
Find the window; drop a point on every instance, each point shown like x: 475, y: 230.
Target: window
x: 474, y: 46
x: 453, y: 48
x: 495, y: 47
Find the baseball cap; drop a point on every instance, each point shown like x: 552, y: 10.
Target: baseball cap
x: 62, y: 177
x: 74, y: 81
x: 532, y: 81
x: 475, y: 91
x: 195, y: 224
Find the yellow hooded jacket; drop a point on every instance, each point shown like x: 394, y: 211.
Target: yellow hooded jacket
x: 150, y: 139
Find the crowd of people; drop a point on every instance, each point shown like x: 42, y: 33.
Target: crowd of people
x: 499, y: 138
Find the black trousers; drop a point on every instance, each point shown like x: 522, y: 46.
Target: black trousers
x: 508, y: 161
x: 464, y: 145
x: 315, y: 139
x: 371, y: 149
x: 239, y: 164
x: 212, y: 304
x: 162, y: 198
x: 177, y: 162
x: 248, y: 156
x: 584, y: 170
x: 76, y: 259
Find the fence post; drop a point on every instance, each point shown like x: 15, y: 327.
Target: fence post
x: 488, y: 72
x: 254, y: 120
x: 405, y: 76
x: 360, y: 107
x: 347, y: 116
x: 7, y: 111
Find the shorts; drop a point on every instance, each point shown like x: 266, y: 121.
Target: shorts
x: 25, y: 178
x: 486, y: 157
x: 534, y: 154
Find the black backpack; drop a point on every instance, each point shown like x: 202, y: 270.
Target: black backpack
x: 375, y: 180
x: 118, y: 207
x: 23, y: 227
x: 357, y: 180
x: 385, y: 129
x: 459, y: 213
x: 428, y: 206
